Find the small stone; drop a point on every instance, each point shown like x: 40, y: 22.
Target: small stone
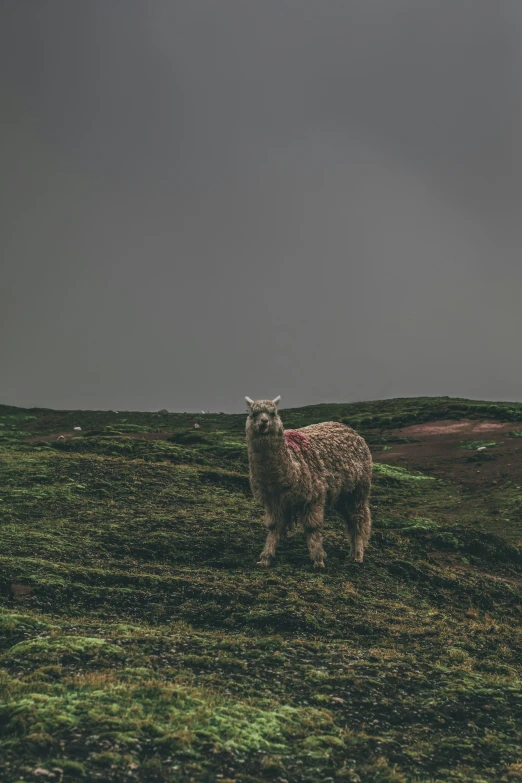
x: 196, y: 426
x: 77, y: 429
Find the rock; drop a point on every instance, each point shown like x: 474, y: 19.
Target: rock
x: 77, y: 429
x: 196, y: 426
x: 482, y: 448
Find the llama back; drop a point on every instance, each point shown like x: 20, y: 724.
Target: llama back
x: 332, y: 449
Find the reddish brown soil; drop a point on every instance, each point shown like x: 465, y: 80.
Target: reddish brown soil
x: 437, y: 450
x: 462, y: 427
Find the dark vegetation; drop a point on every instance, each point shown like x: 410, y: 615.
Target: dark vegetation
x: 138, y: 640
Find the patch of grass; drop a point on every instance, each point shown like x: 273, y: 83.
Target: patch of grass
x: 477, y: 444
x: 64, y: 648
x: 169, y: 717
x: 395, y: 473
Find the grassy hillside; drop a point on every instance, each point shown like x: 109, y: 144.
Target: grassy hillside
x: 139, y: 641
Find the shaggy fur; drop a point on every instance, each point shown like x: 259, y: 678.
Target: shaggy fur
x: 297, y: 474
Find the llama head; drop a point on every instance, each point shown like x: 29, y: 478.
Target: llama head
x: 263, y: 417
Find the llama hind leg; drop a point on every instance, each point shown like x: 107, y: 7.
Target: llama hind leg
x: 276, y: 528
x: 312, y: 523
x: 355, y: 511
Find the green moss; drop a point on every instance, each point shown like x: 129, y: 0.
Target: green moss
x: 15, y: 627
x: 174, y: 717
x: 395, y: 473
x: 63, y: 648
x: 476, y: 444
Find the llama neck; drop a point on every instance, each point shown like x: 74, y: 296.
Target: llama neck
x: 271, y: 463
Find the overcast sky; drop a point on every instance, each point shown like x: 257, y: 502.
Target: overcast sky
x: 203, y: 199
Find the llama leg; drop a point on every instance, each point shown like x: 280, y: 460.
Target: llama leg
x: 355, y: 511
x: 276, y: 528
x: 312, y: 523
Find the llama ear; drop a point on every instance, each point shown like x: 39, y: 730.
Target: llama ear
x: 249, y: 401
x: 277, y: 400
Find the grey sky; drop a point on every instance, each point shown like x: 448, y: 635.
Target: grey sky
x: 315, y: 198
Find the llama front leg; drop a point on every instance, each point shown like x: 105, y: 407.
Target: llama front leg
x: 276, y: 528
x: 313, y: 523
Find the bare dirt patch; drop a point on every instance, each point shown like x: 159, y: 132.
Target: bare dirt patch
x: 486, y: 426
x: 448, y: 427
x: 438, y: 450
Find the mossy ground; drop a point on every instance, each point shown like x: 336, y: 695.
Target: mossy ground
x: 139, y: 641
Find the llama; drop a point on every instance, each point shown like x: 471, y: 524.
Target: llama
x: 297, y: 474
